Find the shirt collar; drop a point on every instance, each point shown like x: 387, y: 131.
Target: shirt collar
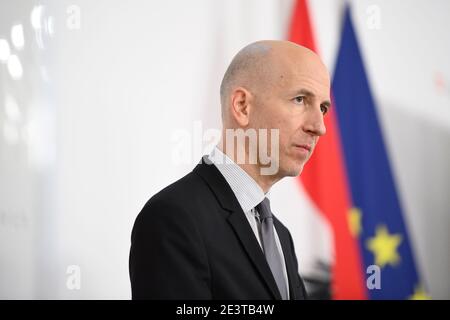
x: 248, y: 193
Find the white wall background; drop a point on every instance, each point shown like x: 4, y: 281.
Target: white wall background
x: 87, y: 130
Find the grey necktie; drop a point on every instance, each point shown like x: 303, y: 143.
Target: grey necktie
x: 271, y: 252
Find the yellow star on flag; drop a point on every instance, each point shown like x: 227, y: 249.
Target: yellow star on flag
x: 420, y: 294
x: 384, y: 247
x: 354, y: 221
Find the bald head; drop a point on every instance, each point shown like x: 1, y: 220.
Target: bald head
x: 274, y: 97
x: 245, y: 68
x: 262, y: 64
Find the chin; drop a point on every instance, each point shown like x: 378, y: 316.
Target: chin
x: 293, y: 171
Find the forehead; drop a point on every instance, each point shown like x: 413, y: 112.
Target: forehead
x: 296, y: 68
x: 292, y: 81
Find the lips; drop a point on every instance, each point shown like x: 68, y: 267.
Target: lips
x: 307, y: 147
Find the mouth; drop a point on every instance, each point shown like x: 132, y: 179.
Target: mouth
x: 305, y: 147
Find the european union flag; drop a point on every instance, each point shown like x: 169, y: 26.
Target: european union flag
x: 377, y: 214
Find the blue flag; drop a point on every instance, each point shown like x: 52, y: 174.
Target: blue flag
x: 382, y: 235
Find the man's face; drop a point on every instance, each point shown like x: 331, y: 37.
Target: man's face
x: 295, y: 102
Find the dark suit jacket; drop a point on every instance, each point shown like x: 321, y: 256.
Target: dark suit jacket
x: 192, y: 241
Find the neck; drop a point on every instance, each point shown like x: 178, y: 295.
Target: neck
x: 253, y: 170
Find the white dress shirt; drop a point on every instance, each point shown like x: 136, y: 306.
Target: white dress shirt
x: 248, y: 193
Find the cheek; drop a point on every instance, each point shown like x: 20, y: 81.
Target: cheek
x: 280, y: 125
x: 287, y: 131
x: 279, y: 118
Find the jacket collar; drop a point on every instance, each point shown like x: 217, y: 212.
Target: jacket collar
x: 228, y: 201
x: 245, y: 188
x: 295, y: 292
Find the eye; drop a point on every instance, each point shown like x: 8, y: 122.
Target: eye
x: 299, y: 99
x: 324, y: 109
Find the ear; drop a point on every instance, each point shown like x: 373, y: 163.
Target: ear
x: 241, y: 100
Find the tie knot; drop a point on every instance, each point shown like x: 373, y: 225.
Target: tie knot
x: 264, y: 209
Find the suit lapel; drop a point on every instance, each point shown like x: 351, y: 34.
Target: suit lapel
x: 225, y: 196
x: 243, y: 230
x: 288, y: 258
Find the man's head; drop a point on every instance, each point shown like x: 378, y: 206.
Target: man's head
x: 278, y: 85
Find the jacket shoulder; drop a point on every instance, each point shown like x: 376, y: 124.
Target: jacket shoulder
x: 180, y: 192
x: 175, y: 200
x: 167, y: 208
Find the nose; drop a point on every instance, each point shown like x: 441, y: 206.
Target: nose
x: 314, y: 123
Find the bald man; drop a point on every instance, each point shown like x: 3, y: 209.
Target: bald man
x: 212, y: 234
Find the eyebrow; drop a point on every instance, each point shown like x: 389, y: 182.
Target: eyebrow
x: 308, y: 93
